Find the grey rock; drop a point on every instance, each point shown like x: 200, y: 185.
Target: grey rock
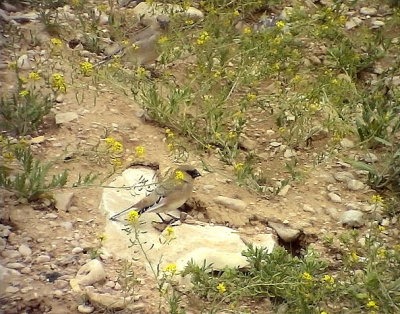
x: 24, y: 63
x: 286, y: 233
x: 284, y: 191
x: 370, y: 158
x: 346, y: 143
x: 334, y: 197
x: 60, y: 98
x: 343, y: 176
x: 231, y: 203
x: 42, y: 259
x: 247, y: 143
x: 332, y: 212
x: 63, y: 200
x: 315, y: 60
x: 385, y: 222
x: 353, y: 22
x: 24, y: 250
x: 66, y: 117
x: 26, y: 270
x: 368, y: 11
x: 355, y: 185
x: 90, y: 273
x: 352, y: 218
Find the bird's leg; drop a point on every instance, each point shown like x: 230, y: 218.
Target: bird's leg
x: 168, y: 222
x: 162, y: 219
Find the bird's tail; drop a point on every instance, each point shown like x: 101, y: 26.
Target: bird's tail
x: 121, y: 213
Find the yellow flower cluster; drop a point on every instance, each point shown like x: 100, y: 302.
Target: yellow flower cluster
x: 170, y: 268
x: 114, y: 146
x: 221, y: 288
x: 162, y: 39
x: 247, y: 30
x: 238, y: 166
x: 140, y: 71
x: 179, y: 175
x: 329, y: 279
x: 140, y: 151
x: 24, y: 93
x: 372, y: 305
x: 306, y: 276
x: 376, y: 199
x: 56, y: 42
x: 280, y: 24
x: 34, y: 76
x: 203, y: 38
x: 169, y: 133
x: 133, y: 216
x: 86, y: 68
x: 58, y: 82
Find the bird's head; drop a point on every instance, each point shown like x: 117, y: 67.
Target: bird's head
x: 190, y: 170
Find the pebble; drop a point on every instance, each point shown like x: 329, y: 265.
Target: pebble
x: 26, y: 270
x: 353, y: 22
x: 308, y: 208
x: 51, y: 216
x: 352, y: 218
x: 334, y: 197
x: 368, y: 11
x: 232, y: 203
x: 23, y: 63
x: 77, y: 250
x: 377, y: 24
x: 275, y: 144
x: 355, y: 185
x: 24, y: 250
x: 286, y: 233
x: 343, y: 176
x: 346, y: 143
x: 15, y: 265
x: 370, y: 158
x: 385, y: 222
x: 11, y: 289
x: 284, y: 190
x: 83, y: 308
x: 43, y: 259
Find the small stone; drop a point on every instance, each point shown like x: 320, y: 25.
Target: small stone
x: 332, y: 212
x: 377, y: 24
x: 284, y: 191
x: 355, y: 185
x: 289, y: 153
x: 286, y: 233
x: 334, y: 197
x: 264, y: 241
x: 308, y: 208
x: 275, y: 144
x: 77, y: 250
x: 385, y: 222
x: 315, y: 60
x: 343, y: 176
x: 11, y: 289
x: 15, y: 265
x: 51, y: 216
x: 23, y: 63
x: 346, y: 143
x: 247, y: 143
x: 24, y: 250
x: 232, y: 203
x: 66, y: 117
x: 26, y: 270
x: 353, y: 22
x: 368, y: 11
x: 117, y: 286
x: 63, y: 200
x: 370, y: 158
x: 37, y: 140
x: 83, y: 308
x: 42, y: 259
x: 103, y: 20
x: 90, y: 273
x: 352, y: 218
x: 60, y: 284
x: 60, y: 98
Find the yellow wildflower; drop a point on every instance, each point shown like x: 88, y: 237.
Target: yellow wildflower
x: 133, y: 216
x: 236, y: 13
x: 170, y: 268
x: 140, y: 71
x: 251, y: 97
x: 372, y: 305
x: 86, y: 68
x: 169, y: 231
x: 329, y: 279
x: 381, y: 228
x: 203, y: 38
x: 58, y: 82
x: 381, y: 253
x: 189, y: 22
x: 342, y: 19
x: 306, y: 276
x: 179, y: 175
x: 238, y: 166
x: 140, y: 151
x: 101, y: 237
x: 116, y: 162
x: 376, y: 199
x: 125, y: 42
x: 117, y: 147
x: 162, y: 40
x: 217, y: 74
x: 170, y: 146
x: 135, y: 47
x: 247, y: 30
x: 34, y: 76
x: 231, y: 135
x: 110, y: 140
x: 280, y: 24
x: 169, y: 133
x: 221, y: 288
x: 9, y: 156
x: 56, y: 42
x: 354, y: 257
x: 24, y: 93
x: 102, y: 7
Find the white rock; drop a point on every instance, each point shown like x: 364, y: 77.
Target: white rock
x: 283, y: 191
x: 15, y: 265
x: 355, y: 185
x: 334, y: 197
x: 77, y: 250
x: 42, y: 259
x: 66, y: 117
x: 289, y: 153
x: 24, y: 250
x: 264, y: 240
x: 275, y: 144
x: 231, y: 203
x: 353, y: 22
x: 11, y: 289
x: 368, y: 11
x: 24, y: 63
x: 346, y: 143
x: 352, y: 218
x: 308, y: 208
x: 83, y: 308
x: 332, y: 212
x: 370, y: 158
x: 88, y: 274
x: 377, y: 24
x: 63, y: 201
x: 60, y: 98
x: 247, y: 143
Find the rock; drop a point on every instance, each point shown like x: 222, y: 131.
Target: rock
x: 90, y: 273
x: 315, y: 60
x: 334, y: 197
x: 263, y: 241
x: 353, y: 22
x: 308, y: 208
x: 112, y: 302
x: 77, y: 250
x: 37, y: 140
x: 51, y: 216
x: 103, y: 20
x: 284, y: 232
x: 332, y: 212
x: 275, y: 144
x: 370, y: 158
x: 377, y: 24
x: 352, y: 218
x: 231, y: 203
x: 9, y: 7
x: 343, y: 176
x: 11, y: 289
x: 289, y: 153
x: 42, y: 259
x: 15, y: 265
x: 24, y: 250
x: 247, y: 143
x: 346, y: 143
x: 355, y: 185
x: 63, y: 201
x: 66, y: 117
x: 83, y: 308
x: 368, y: 11
x: 23, y: 63
x: 60, y: 98
x: 283, y: 191
x: 385, y: 222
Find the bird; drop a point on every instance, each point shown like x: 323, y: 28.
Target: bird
x: 171, y: 193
